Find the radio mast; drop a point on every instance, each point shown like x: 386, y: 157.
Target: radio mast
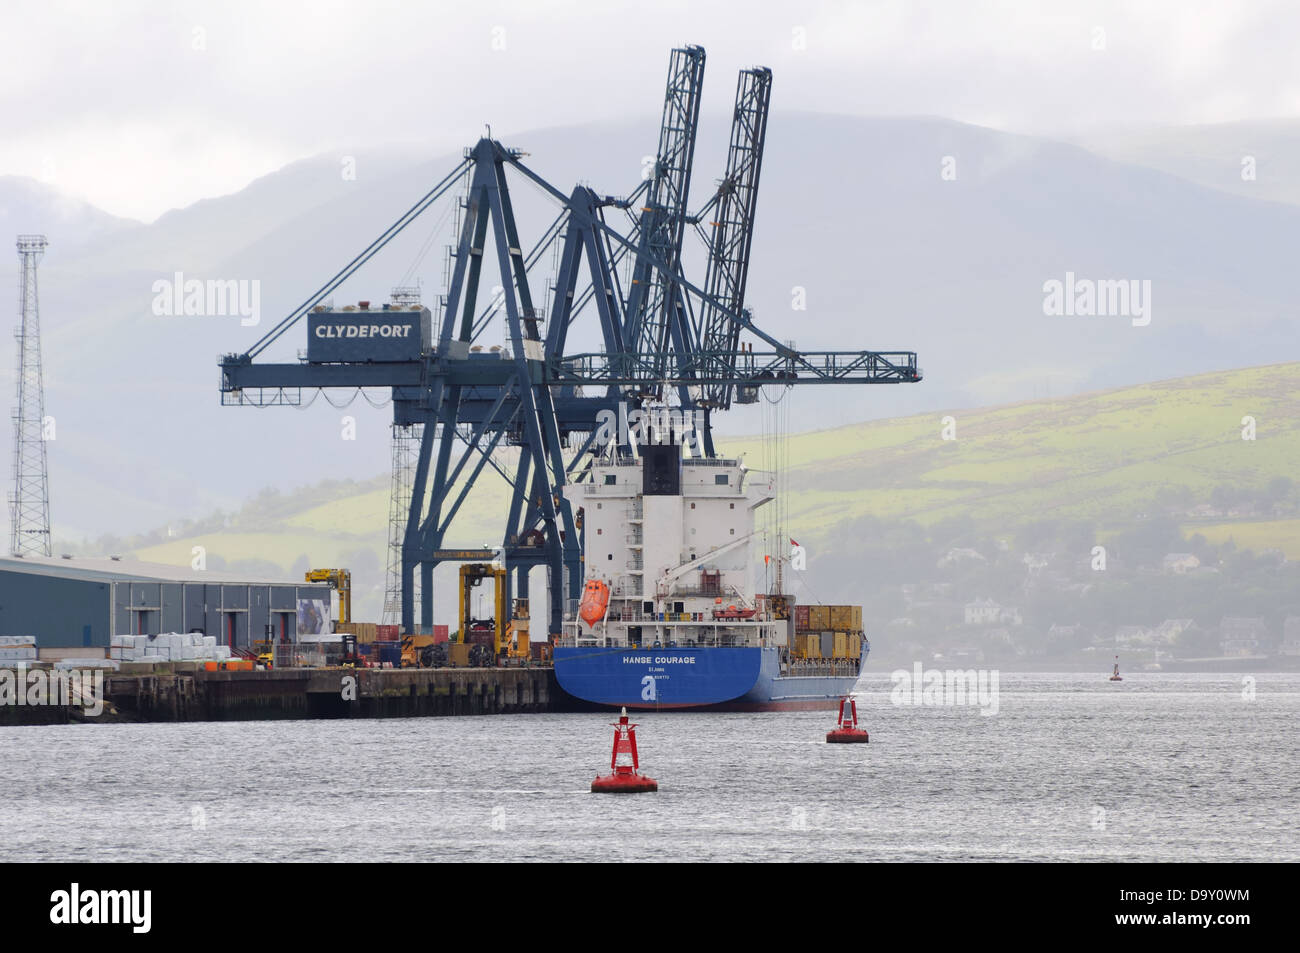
x: 29, y: 506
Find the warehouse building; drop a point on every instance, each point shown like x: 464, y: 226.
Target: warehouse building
x: 76, y: 601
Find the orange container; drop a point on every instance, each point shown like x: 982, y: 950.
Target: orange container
x: 210, y: 666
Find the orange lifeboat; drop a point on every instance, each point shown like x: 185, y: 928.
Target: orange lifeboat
x: 595, y: 599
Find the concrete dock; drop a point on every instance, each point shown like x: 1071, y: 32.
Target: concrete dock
x: 179, y: 695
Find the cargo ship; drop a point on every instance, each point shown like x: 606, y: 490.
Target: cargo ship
x: 670, y: 617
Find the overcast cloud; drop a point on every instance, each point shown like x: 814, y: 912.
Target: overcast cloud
x: 141, y: 107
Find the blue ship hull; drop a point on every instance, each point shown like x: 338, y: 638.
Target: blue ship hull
x: 722, y: 678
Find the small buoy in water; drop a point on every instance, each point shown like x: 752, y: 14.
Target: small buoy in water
x: 627, y: 778
x: 1116, y: 677
x: 847, y: 731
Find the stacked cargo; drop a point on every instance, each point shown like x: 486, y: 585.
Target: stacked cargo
x: 828, y: 631
x: 168, y: 647
x: 366, y: 632
x: 71, y: 664
x: 17, y: 648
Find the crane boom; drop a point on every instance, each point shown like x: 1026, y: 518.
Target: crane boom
x: 670, y: 577
x: 733, y: 233
x: 655, y: 315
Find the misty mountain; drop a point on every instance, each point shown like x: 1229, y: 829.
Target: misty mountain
x: 887, y: 251
x: 31, y: 207
x: 1256, y: 159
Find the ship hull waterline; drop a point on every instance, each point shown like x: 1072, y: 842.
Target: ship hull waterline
x: 695, y: 679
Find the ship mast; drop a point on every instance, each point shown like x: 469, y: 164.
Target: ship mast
x: 776, y: 459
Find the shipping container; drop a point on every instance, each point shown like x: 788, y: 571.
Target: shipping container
x: 364, y: 631
x: 386, y: 633
x: 458, y: 654
x: 441, y: 633
x: 801, y: 618
x: 841, y: 645
x: 841, y: 617
x: 819, y: 618
x: 855, y: 624
x: 827, y: 643
x: 812, y: 645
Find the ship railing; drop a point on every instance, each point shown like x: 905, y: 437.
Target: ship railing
x: 598, y: 640
x: 608, y: 489
x: 697, y: 592
x: 823, y: 668
x: 709, y: 462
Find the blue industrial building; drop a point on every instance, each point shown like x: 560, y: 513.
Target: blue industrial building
x: 75, y: 601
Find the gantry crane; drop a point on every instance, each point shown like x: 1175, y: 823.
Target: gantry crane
x: 665, y: 333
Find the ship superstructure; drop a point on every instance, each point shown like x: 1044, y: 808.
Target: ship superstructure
x: 671, y: 539
x: 671, y: 616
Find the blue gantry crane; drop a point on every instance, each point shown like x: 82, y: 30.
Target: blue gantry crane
x: 662, y: 336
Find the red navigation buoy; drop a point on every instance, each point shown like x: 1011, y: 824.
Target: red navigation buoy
x: 626, y: 779
x: 847, y: 731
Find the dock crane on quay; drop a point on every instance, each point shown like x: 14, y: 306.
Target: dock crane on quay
x: 663, y: 338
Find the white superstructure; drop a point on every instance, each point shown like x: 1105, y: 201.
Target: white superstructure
x: 672, y: 538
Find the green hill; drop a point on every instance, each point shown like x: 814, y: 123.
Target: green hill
x: 1110, y: 458
x: 1104, y: 457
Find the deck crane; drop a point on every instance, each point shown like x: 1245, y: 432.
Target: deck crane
x: 540, y: 395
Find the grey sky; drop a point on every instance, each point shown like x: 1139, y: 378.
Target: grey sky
x: 141, y: 107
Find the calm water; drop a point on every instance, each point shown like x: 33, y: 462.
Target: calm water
x: 1176, y: 767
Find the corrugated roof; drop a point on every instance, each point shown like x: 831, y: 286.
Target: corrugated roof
x: 106, y: 569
